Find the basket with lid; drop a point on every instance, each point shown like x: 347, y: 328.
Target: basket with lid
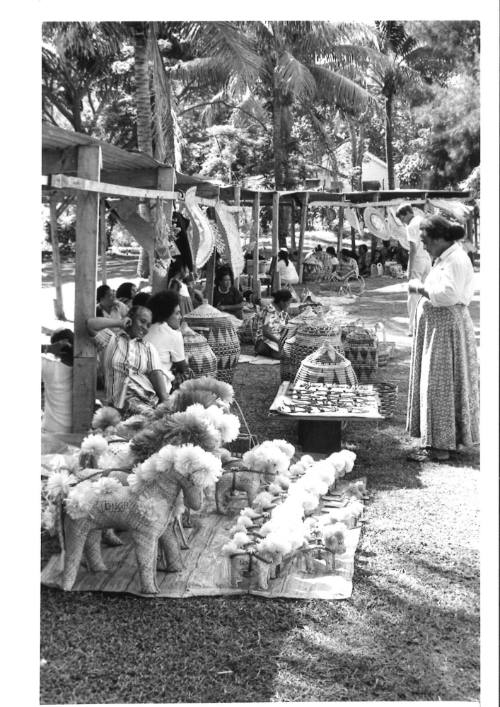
x: 326, y: 365
x: 199, y: 356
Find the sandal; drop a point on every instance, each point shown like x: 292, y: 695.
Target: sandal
x: 428, y: 455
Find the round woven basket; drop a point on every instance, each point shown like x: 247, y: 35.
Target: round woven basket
x: 326, y: 365
x: 361, y: 348
x: 220, y: 332
x: 309, y: 337
x: 388, y: 396
x: 199, y: 356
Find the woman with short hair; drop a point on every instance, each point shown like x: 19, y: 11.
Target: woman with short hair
x: 272, y: 322
x: 165, y: 335
x: 443, y: 398
x: 227, y: 297
x: 286, y: 269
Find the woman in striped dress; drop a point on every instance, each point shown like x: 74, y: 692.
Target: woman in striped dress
x: 443, y: 397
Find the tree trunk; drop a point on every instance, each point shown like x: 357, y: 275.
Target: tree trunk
x: 144, y: 119
x: 277, y: 140
x: 388, y: 141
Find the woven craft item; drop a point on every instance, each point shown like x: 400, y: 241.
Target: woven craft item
x: 326, y: 365
x: 312, y: 270
x: 388, y: 396
x: 248, y: 330
x: 361, y: 348
x: 199, y: 356
x: 309, y: 336
x: 220, y: 332
x: 385, y: 348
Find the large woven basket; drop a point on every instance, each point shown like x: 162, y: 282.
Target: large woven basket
x: 220, y: 332
x: 326, y: 365
x: 199, y: 356
x: 309, y: 337
x: 361, y: 348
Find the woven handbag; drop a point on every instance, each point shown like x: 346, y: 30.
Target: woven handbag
x: 326, y: 365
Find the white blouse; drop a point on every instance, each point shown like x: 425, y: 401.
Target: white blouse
x: 450, y: 280
x: 169, y: 344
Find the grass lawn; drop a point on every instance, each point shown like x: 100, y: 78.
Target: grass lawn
x: 410, y: 631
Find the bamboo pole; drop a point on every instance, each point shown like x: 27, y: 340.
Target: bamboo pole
x: 303, y: 224
x: 56, y: 261
x: 275, y: 240
x: 341, y: 230
x: 102, y: 239
x: 237, y: 202
x: 256, y: 230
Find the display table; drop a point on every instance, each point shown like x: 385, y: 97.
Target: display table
x: 317, y: 432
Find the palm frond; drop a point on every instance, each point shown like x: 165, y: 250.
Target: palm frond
x: 341, y: 91
x: 249, y: 111
x: 166, y: 130
x: 294, y: 77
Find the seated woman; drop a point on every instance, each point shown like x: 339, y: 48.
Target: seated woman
x: 107, y: 304
x: 57, y: 379
x: 227, y: 297
x: 126, y: 293
x: 364, y: 260
x: 178, y: 272
x: 272, y: 322
x: 346, y: 268
x: 166, y: 337
x: 286, y: 269
x: 133, y: 374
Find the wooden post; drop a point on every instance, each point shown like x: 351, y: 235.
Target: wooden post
x: 102, y: 239
x: 275, y: 239
x: 292, y: 232
x: 353, y: 240
x: 237, y: 202
x: 161, y: 253
x: 256, y: 230
x: 303, y: 224
x: 84, y: 361
x: 341, y: 230
x: 374, y: 238
x: 56, y: 261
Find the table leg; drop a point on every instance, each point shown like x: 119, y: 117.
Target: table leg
x: 321, y: 436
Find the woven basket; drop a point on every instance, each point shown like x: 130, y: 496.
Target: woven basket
x: 361, y: 348
x: 220, y: 332
x: 245, y: 440
x: 248, y: 331
x: 312, y: 271
x: 388, y: 395
x: 385, y: 348
x: 326, y: 365
x: 199, y: 356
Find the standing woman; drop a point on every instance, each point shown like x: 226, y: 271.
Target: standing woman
x: 272, y: 322
x: 443, y: 398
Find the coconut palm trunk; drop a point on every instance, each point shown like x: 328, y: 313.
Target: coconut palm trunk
x: 388, y: 141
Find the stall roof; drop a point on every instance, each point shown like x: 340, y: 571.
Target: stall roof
x: 134, y: 168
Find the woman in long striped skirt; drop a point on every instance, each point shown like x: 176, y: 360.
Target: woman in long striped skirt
x: 443, y: 397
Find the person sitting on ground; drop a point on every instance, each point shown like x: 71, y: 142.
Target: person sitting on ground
x: 364, y: 260
x: 126, y: 293
x: 322, y: 256
x: 347, y: 267
x: 107, y: 304
x: 133, y: 373
x: 141, y: 299
x: 227, y: 297
x: 57, y: 380
x: 165, y: 335
x: 286, y: 269
x: 178, y: 272
x: 272, y: 322
x: 334, y: 261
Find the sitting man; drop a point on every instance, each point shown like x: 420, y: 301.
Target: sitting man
x: 133, y: 375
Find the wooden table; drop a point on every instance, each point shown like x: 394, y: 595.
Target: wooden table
x: 321, y: 433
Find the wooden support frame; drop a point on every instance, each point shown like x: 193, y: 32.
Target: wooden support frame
x: 62, y: 181
x: 340, y: 235
x: 84, y: 361
x: 103, y: 240
x: 276, y: 280
x: 56, y: 260
x: 256, y: 227
x: 303, y: 224
x: 236, y: 209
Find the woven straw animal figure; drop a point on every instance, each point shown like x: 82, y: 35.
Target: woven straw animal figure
x: 146, y: 507
x: 258, y: 466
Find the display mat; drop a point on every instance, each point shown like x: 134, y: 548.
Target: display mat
x: 207, y: 570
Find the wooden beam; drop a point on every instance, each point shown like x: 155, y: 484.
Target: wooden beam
x: 161, y: 260
x: 87, y: 213
x: 341, y: 230
x: 61, y: 181
x: 56, y: 261
x: 275, y: 239
x: 210, y: 283
x: 103, y: 240
x: 256, y: 230
x: 303, y: 224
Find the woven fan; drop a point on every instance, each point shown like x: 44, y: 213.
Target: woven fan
x: 204, y: 238
x: 352, y: 219
x: 231, y: 236
x: 396, y: 229
x: 375, y: 222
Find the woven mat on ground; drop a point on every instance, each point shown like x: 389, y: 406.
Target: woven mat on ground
x: 258, y: 360
x: 207, y: 571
